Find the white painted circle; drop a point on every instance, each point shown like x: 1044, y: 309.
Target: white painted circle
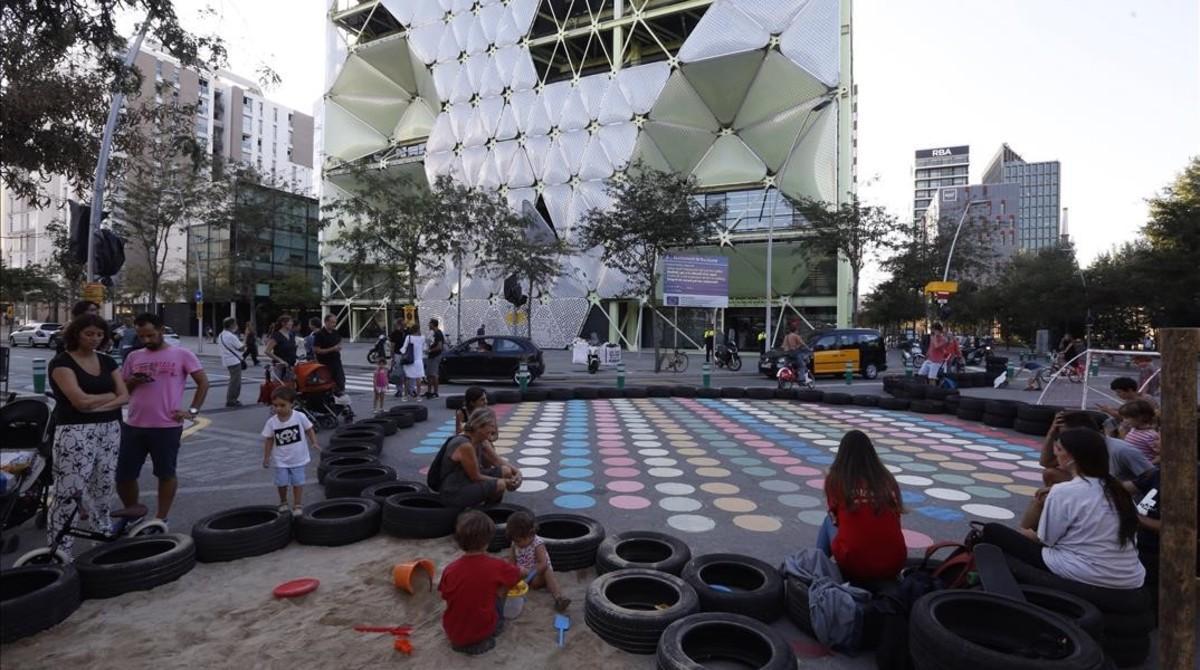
x: 947, y: 494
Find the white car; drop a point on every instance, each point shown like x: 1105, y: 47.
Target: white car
x: 33, y: 334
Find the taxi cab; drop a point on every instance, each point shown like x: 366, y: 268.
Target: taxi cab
x: 830, y: 350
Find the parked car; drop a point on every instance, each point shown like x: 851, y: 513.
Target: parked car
x: 169, y: 335
x: 493, y: 358
x: 831, y: 349
x: 33, y: 334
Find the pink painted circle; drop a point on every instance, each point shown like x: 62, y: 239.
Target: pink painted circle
x: 610, y: 443
x: 1028, y: 476
x: 818, y: 484
x: 619, y: 460
x: 785, y: 460
x: 757, y: 444
x: 972, y: 456
x: 915, y: 540
x: 622, y: 472
x: 629, y: 502
x: 772, y: 452
x: 948, y: 448
x: 625, y: 486
x: 1002, y: 465
x: 614, y: 451
x: 801, y: 471
x: 424, y: 470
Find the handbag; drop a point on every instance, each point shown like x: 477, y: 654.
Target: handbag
x: 409, y: 355
x: 243, y: 358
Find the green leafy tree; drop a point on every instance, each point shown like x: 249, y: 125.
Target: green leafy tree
x: 1172, y: 249
x: 652, y: 212
x: 528, y: 250
x: 294, y: 291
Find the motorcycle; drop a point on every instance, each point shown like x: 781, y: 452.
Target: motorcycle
x: 911, y: 352
x: 727, y: 357
x: 792, y: 375
x: 593, y: 358
x: 978, y: 355
x: 378, y: 351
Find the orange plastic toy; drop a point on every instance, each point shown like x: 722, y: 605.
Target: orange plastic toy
x: 402, y: 573
x: 402, y: 645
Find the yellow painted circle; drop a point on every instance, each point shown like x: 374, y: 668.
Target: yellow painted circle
x: 735, y: 504
x: 758, y: 523
x: 719, y: 488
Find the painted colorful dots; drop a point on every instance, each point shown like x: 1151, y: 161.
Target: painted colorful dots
x: 629, y: 502
x: 719, y: 488
x: 575, y: 486
x: 915, y: 540
x: 625, y: 485
x: 665, y: 472
x: 691, y: 523
x: 679, y: 504
x: 779, y: 485
x: 533, y: 486
x: 712, y: 472
x: 802, y: 471
x: 622, y: 473
x: 758, y: 523
x: 988, y: 511
x: 947, y: 494
x: 575, y: 501
x: 735, y: 504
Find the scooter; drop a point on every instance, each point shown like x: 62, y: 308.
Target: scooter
x: 136, y: 526
x: 379, y: 350
x: 911, y: 352
x: 792, y: 375
x: 978, y: 355
x: 593, y: 358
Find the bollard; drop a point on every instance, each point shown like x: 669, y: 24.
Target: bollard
x: 1011, y: 372
x: 523, y: 376
x: 39, y: 375
x: 908, y: 367
x: 1094, y: 368
x: 849, y: 373
x: 621, y: 375
x: 706, y: 374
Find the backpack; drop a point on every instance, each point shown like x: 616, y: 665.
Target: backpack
x: 433, y: 479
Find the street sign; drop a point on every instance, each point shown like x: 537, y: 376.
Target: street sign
x: 199, y: 296
x: 696, y: 281
x: 941, y: 287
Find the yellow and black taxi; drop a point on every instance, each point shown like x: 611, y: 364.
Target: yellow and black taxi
x: 831, y: 350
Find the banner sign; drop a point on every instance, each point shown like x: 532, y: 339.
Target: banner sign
x: 696, y: 281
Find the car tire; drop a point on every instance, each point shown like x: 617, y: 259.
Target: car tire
x: 504, y: 397
x: 135, y: 564
x: 733, y: 392
x: 810, y: 395
x: 658, y: 391
x: 969, y: 414
x: 1130, y: 604
x: 866, y: 400
x: 944, y: 624
x: 928, y: 406
x: 534, y: 395
x: 571, y: 540
x: 915, y: 390
x: 643, y: 549
x: 350, y: 434
x: 418, y: 515
x: 1038, y: 413
x: 499, y: 514
x: 35, y: 598
x: 419, y: 412
x: 561, y: 394
x: 241, y: 532
x: 352, y: 449
x: 760, y: 392
x: 786, y: 394
x: 635, y: 392
x: 998, y: 421
x: 972, y: 403
x: 454, y: 401
x: 388, y: 424
x: 1126, y: 651
x: 706, y: 640
x: 683, y: 391
x: 626, y: 608
x: 349, y: 482
x: 894, y: 403
x: 585, y: 392
x: 327, y: 465
x: 381, y: 491
x: 838, y: 399
x: 609, y: 392
x: 754, y: 587
x: 937, y: 393
x: 336, y: 522
x: 1030, y: 427
x: 871, y: 371
x: 708, y: 392
x: 1079, y: 611
x: 1006, y: 408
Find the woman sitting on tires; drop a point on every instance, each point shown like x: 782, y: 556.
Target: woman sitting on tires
x: 471, y: 474
x: 473, y: 398
x: 1087, y: 525
x: 89, y: 393
x: 862, y: 530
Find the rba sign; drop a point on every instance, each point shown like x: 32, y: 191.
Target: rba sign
x: 943, y: 152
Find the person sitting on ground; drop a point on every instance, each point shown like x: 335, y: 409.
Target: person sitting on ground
x: 470, y: 474
x: 1139, y: 415
x: 530, y: 556
x: 473, y: 398
x: 474, y: 587
x: 1086, y: 529
x: 862, y: 530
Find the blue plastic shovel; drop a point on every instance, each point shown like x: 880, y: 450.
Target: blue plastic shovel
x: 562, y: 622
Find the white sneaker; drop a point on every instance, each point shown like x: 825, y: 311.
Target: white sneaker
x: 297, y: 511
x: 283, y: 507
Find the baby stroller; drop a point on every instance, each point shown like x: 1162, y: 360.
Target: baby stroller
x: 28, y: 429
x: 316, y: 396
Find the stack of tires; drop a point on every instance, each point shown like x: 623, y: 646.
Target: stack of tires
x: 571, y: 540
x: 970, y: 408
x: 1035, y: 419
x: 241, y: 532
x: 631, y: 608
x: 499, y: 514
x: 36, y: 597
x: 994, y: 366
x: 1000, y: 413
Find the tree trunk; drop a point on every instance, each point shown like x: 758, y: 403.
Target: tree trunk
x: 654, y: 334
x: 854, y: 295
x: 529, y: 311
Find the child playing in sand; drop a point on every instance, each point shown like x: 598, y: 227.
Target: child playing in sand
x: 380, y: 382
x: 1139, y: 416
x: 287, y: 437
x: 530, y: 556
x: 474, y: 587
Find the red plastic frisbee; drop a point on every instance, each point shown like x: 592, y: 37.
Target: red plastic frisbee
x: 296, y: 588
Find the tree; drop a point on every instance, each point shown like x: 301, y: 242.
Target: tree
x: 652, y: 212
x: 528, y: 250
x: 60, y: 60
x: 1172, y: 248
x: 294, y: 290
x: 850, y: 229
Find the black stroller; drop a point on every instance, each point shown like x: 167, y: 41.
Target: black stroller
x: 26, y: 434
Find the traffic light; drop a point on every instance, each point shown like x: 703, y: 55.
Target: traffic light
x: 77, y: 232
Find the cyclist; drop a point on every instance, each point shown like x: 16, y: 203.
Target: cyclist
x: 793, y: 346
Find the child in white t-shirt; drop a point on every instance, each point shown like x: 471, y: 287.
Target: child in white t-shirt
x: 287, y: 438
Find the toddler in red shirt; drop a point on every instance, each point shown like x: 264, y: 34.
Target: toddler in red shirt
x: 474, y: 587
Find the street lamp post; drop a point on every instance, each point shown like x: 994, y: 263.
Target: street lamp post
x: 962, y: 219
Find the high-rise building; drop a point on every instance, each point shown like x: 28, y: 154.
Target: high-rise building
x: 1040, y: 190
x: 546, y: 101
x: 988, y: 216
x: 934, y: 168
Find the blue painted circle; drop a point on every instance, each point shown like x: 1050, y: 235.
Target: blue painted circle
x: 575, y: 486
x: 940, y: 513
x: 432, y: 442
x: 574, y: 444
x: 916, y: 467
x: 576, y: 462
x: 759, y: 472
x: 745, y: 460
x: 822, y: 459
x: 426, y: 450
x: 575, y: 452
x: 911, y: 497
x: 575, y: 473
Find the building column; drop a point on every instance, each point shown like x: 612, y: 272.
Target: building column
x: 631, y: 326
x: 614, y: 321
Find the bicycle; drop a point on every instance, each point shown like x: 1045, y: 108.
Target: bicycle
x: 675, y: 361
x: 1072, y: 373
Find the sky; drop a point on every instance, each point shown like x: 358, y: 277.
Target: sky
x: 1111, y: 88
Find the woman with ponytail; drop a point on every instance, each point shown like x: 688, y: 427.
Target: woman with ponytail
x: 1088, y: 523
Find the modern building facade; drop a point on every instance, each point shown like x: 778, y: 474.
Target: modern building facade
x: 935, y: 168
x: 546, y: 101
x: 1040, y: 195
x: 991, y: 219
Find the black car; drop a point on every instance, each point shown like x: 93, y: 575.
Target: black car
x: 491, y: 357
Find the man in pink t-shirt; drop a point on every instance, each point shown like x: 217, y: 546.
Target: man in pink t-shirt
x: 156, y: 376
x: 938, y: 351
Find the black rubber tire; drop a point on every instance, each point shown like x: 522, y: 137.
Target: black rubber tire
x: 352, y: 428
x: 757, y: 586
x: 1030, y: 427
x: 916, y: 390
x: 760, y: 392
x: 36, y: 597
x: 418, y: 515
x: 135, y: 564
x: 383, y: 490
x: 405, y: 418
x: 969, y: 414
x: 935, y: 646
x: 351, y: 435
x: 810, y: 395
x: 1126, y: 651
x: 1129, y: 623
x: 504, y: 397
x: 1006, y: 408
x: 1038, y: 413
x: 786, y: 394
x: 561, y: 394
x: 328, y: 464
x: 499, y: 514
x: 645, y: 549
x: 349, y: 482
x: 571, y: 540
x: 795, y: 603
x: 998, y: 421
x: 387, y: 423
x: 658, y: 391
x: 683, y: 391
x: 241, y: 532
x: 707, y: 392
x: 733, y: 392
x: 1084, y: 614
x: 866, y: 400
x: 454, y: 402
x: 534, y: 395
x: 696, y: 640
x: 624, y: 608
x: 836, y: 398
x: 339, y: 521
x: 635, y: 392
x: 972, y: 403
x: 609, y: 392
x: 352, y: 449
x: 928, y: 406
x: 937, y: 393
x: 894, y: 403
x: 1130, y: 602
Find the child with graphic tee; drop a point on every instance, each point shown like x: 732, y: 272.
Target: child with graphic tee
x: 287, y: 438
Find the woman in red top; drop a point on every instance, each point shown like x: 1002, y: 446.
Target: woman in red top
x: 862, y: 531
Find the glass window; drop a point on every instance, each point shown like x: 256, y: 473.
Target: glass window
x: 504, y: 345
x: 824, y: 343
